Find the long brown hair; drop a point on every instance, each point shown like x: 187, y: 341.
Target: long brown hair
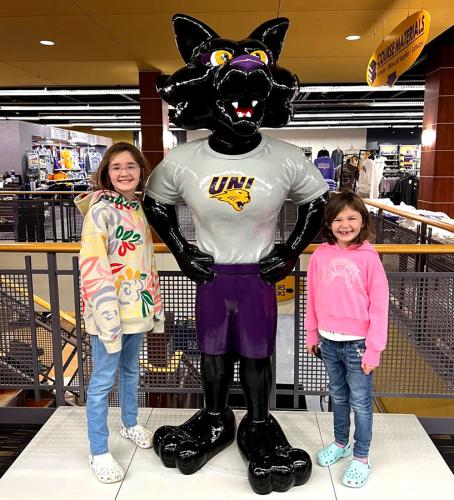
x: 335, y: 205
x: 101, y: 179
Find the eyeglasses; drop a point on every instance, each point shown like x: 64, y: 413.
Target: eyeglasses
x: 130, y: 168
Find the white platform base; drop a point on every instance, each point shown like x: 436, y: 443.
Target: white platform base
x: 406, y: 465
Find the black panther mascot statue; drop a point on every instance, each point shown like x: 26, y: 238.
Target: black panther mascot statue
x: 235, y: 183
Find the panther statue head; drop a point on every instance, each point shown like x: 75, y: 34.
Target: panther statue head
x: 230, y: 87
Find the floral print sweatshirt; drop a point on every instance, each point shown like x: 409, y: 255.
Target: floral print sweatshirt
x: 119, y: 282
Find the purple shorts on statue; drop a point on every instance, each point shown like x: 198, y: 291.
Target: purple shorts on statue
x: 236, y: 312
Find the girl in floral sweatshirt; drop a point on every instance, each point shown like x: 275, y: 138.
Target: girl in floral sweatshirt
x: 121, y: 297
x: 346, y: 321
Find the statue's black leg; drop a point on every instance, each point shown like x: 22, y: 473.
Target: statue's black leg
x: 190, y: 445
x: 273, y: 464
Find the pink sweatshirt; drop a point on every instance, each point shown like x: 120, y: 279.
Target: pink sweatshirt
x: 347, y: 292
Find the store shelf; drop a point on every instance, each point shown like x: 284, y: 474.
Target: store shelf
x: 65, y: 180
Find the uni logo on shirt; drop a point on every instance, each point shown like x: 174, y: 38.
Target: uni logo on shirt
x: 233, y: 190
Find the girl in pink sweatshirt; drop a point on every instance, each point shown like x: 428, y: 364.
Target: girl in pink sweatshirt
x: 346, y: 323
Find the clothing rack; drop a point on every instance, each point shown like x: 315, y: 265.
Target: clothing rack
x: 364, y: 154
x: 353, y: 155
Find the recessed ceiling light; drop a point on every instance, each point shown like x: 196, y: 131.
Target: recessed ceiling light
x: 352, y: 37
x: 46, y: 42
x: 335, y: 88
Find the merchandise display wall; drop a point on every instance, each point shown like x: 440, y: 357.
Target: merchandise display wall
x: 329, y: 139
x: 17, y: 137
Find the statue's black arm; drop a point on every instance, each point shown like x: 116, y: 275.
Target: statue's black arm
x: 280, y: 262
x: 195, y: 264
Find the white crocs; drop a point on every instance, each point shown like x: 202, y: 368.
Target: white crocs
x: 106, y: 468
x: 140, y: 436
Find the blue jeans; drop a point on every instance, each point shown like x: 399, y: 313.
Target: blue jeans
x: 101, y: 382
x: 349, y: 388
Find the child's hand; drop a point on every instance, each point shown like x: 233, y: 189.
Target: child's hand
x: 312, y: 348
x: 367, y: 368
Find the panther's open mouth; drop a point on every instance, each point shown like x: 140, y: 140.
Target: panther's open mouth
x: 244, y: 109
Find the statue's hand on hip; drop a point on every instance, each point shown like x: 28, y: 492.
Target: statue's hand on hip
x: 278, y: 264
x: 195, y: 264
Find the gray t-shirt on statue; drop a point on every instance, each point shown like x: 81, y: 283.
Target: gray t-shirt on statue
x: 235, y: 199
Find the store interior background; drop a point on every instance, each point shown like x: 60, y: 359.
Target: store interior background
x: 108, y: 44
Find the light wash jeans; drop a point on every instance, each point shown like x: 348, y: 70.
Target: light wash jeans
x: 101, y: 382
x: 349, y: 388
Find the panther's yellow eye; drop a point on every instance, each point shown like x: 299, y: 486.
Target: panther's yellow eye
x: 219, y: 57
x: 261, y: 54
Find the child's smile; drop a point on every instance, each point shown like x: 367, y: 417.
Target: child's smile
x: 346, y: 226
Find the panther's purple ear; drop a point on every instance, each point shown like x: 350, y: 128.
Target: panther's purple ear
x: 189, y: 34
x: 272, y: 34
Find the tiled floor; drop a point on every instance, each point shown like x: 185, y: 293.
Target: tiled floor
x: 406, y: 465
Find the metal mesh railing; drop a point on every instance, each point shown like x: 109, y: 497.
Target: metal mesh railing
x: 39, y: 218
x: 418, y: 361
x: 419, y: 357
x: 439, y: 263
x: 388, y: 231
x: 420, y: 354
x: 25, y: 342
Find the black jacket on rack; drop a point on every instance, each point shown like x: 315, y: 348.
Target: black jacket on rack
x: 406, y: 190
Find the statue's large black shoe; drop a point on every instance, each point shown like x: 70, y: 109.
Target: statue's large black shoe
x: 273, y: 464
x: 189, y: 446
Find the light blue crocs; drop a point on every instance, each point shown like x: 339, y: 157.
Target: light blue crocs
x: 356, y: 474
x: 332, y: 453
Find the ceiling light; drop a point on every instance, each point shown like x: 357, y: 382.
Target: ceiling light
x: 46, y: 42
x: 87, y: 107
x: 397, y: 104
x: 357, y: 115
x: 298, y: 127
x: 340, y: 122
x: 90, y: 117
x: 351, y: 38
x: 120, y: 128
x: 428, y: 137
x: 360, y: 88
x: 65, y: 92
x: 19, y: 118
x: 101, y: 124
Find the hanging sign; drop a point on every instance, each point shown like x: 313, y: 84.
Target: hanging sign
x: 399, y: 50
x: 59, y: 133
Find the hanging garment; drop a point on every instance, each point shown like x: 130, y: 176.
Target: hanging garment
x: 332, y: 186
x: 377, y: 173
x: 322, y: 152
x: 92, y: 161
x: 337, y: 155
x: 406, y: 190
x: 365, y: 177
x: 386, y: 186
x: 347, y: 175
x: 326, y: 166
